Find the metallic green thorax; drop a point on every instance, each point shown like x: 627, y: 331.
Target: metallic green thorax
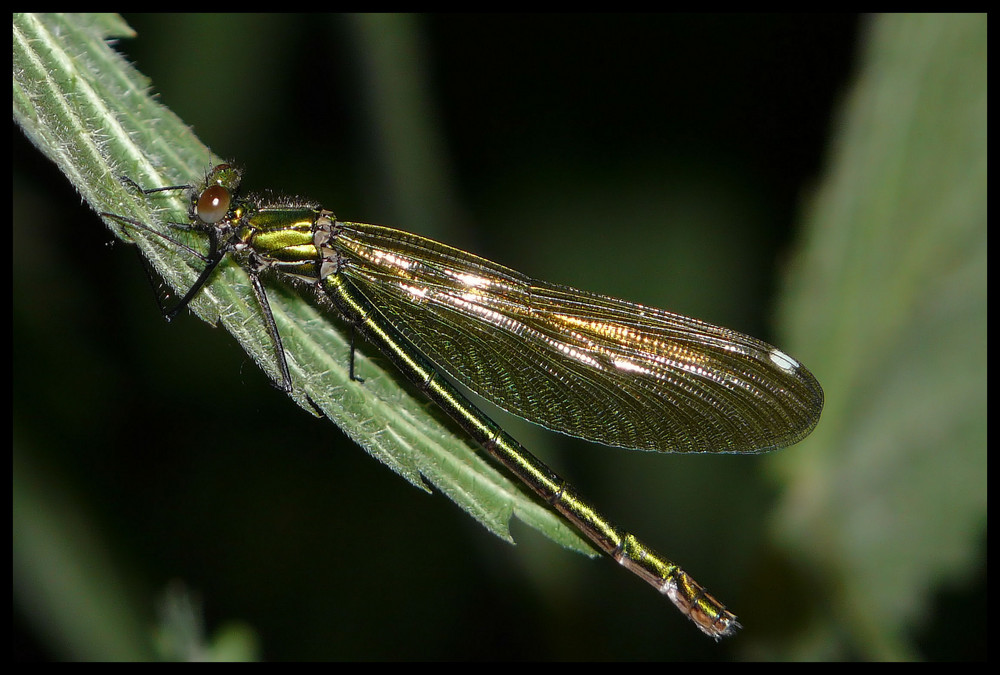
x: 584, y: 364
x: 283, y: 238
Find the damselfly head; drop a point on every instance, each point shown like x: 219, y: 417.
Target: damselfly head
x: 212, y: 203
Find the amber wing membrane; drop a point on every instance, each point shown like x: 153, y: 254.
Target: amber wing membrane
x: 588, y: 365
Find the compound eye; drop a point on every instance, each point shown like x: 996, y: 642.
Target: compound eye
x: 213, y: 204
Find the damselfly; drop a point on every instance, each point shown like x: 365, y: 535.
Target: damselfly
x: 587, y: 365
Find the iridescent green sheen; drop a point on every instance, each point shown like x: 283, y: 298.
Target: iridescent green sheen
x: 583, y: 364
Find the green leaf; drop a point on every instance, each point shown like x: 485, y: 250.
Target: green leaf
x: 92, y: 113
x: 889, y: 308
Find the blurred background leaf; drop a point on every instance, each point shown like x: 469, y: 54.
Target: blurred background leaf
x: 890, y: 294
x: 664, y: 159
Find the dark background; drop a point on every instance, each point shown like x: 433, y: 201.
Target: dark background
x: 659, y: 158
